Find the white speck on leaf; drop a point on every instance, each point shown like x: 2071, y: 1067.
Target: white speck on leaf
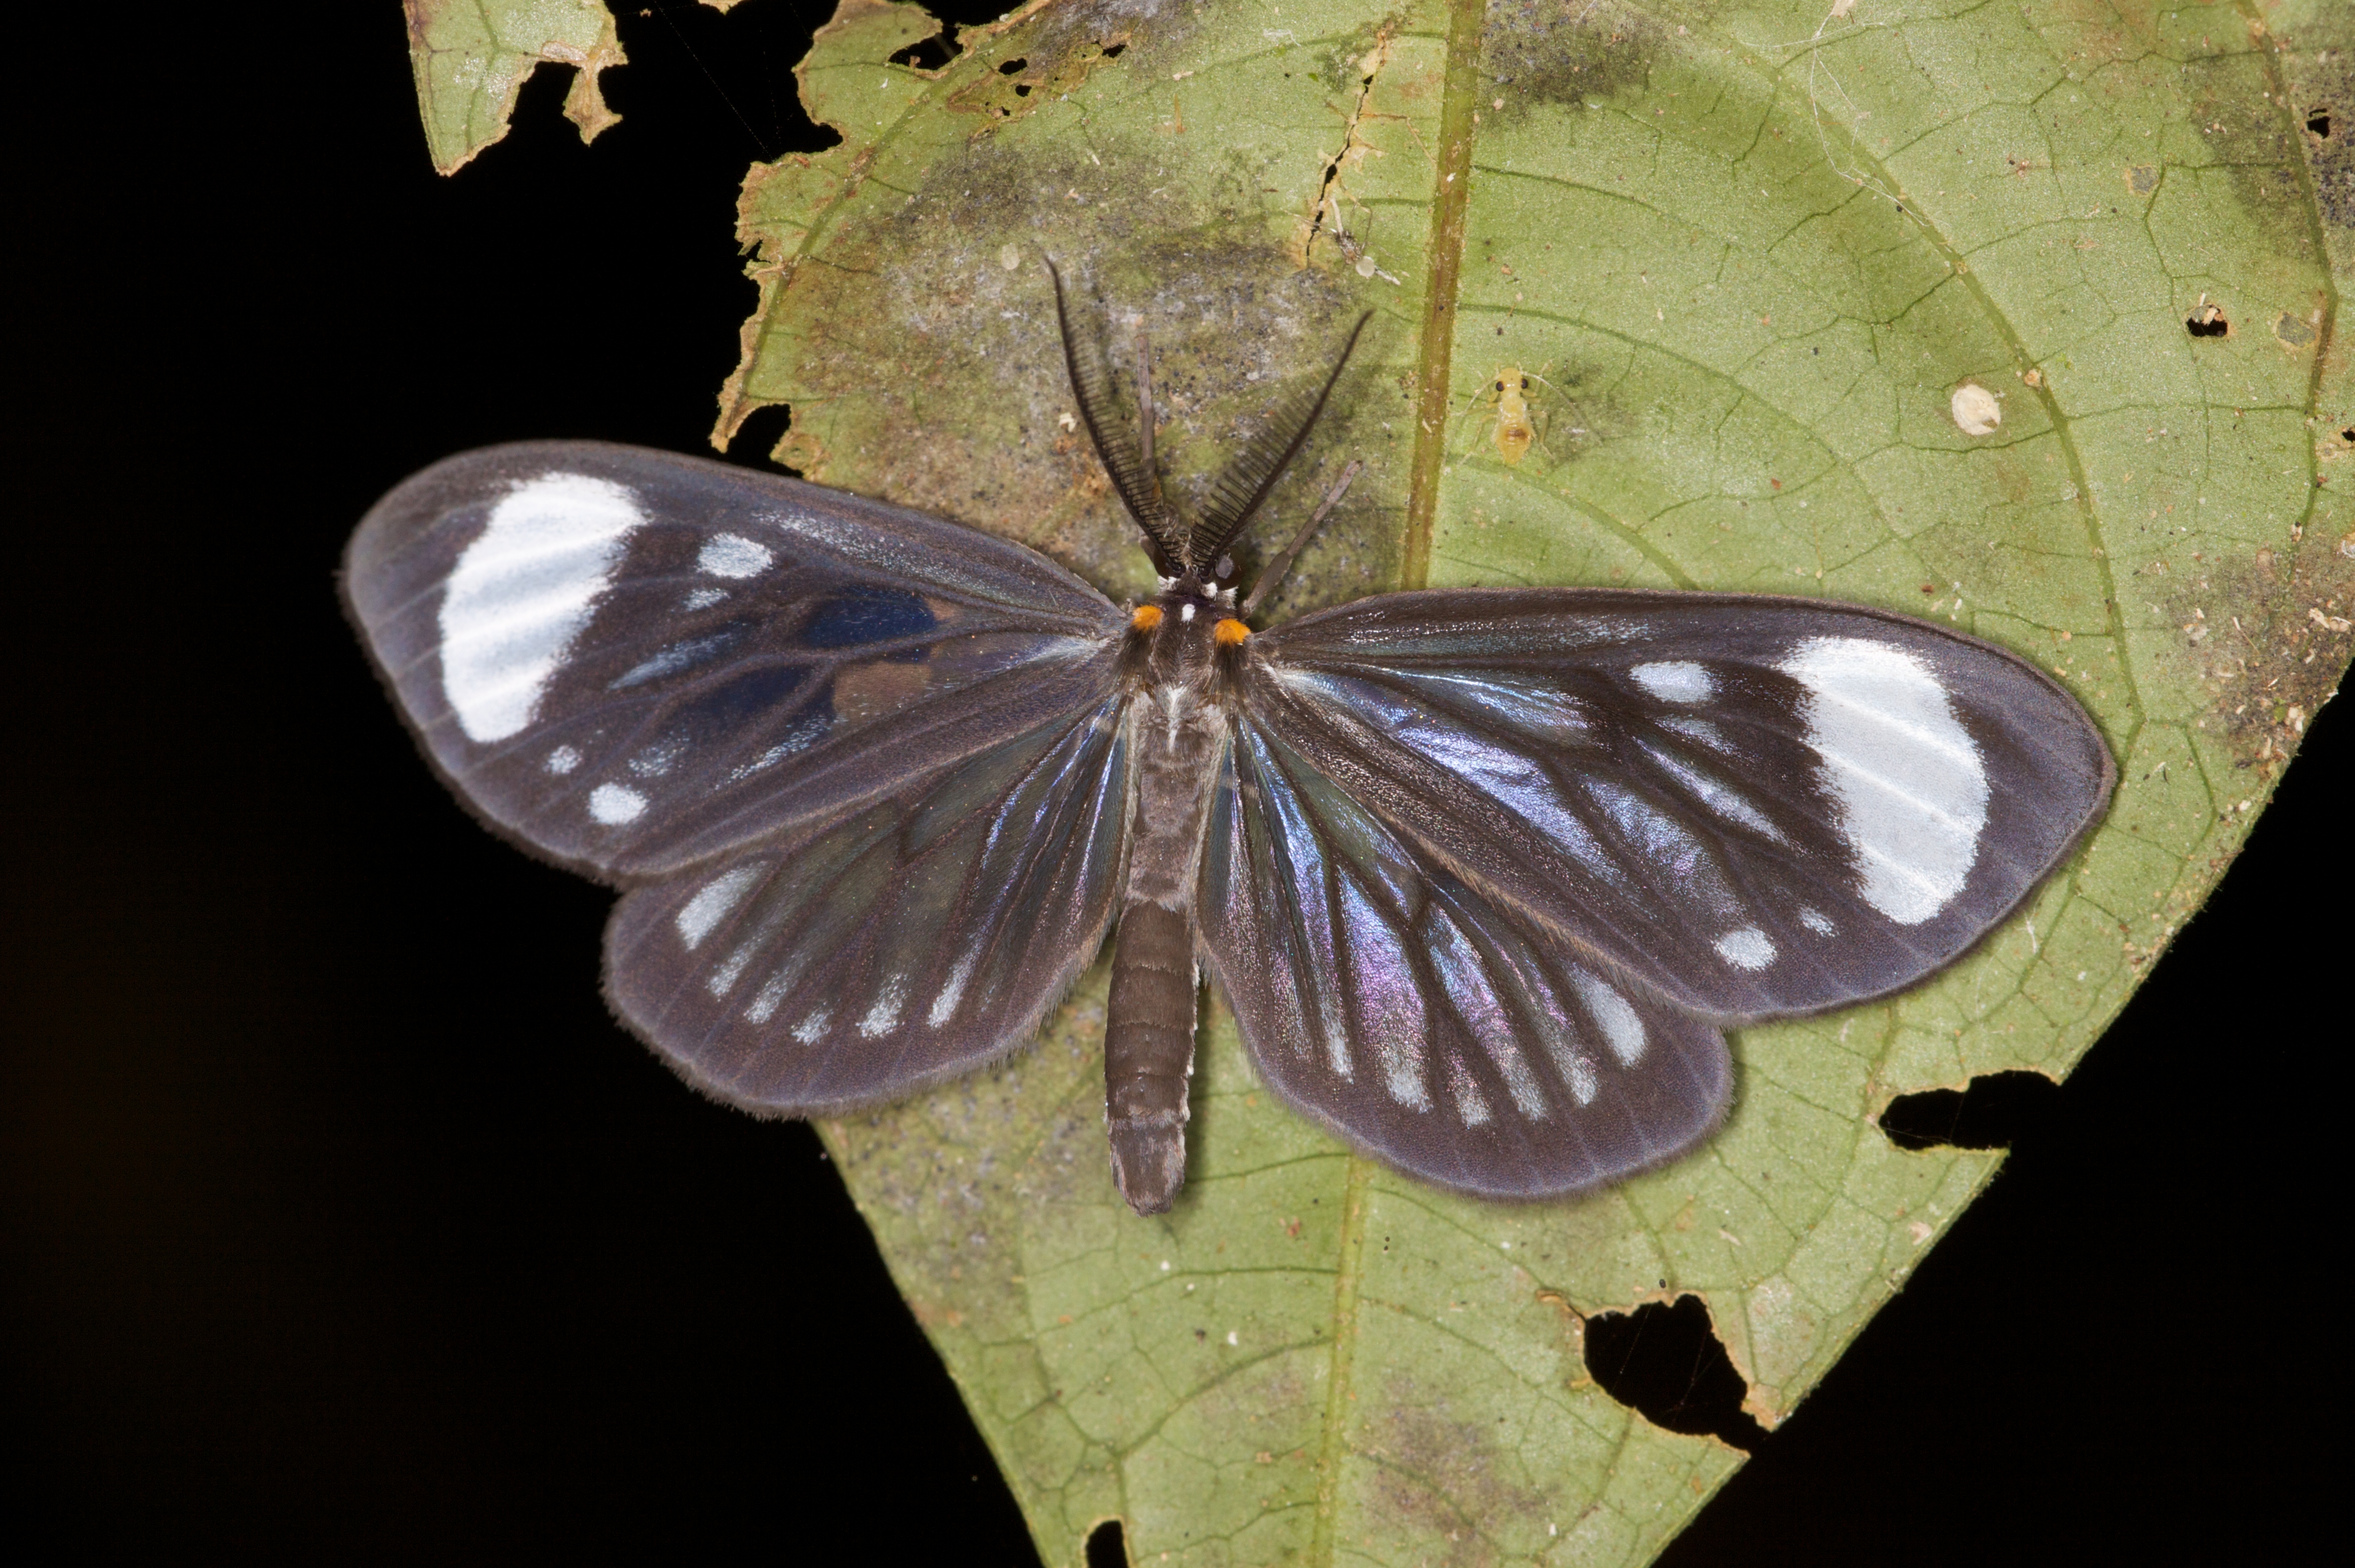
x: 1975, y: 410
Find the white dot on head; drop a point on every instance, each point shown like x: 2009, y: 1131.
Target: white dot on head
x: 733, y: 555
x: 613, y: 805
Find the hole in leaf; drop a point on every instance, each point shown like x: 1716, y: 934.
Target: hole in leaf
x: 1112, y: 52
x: 1994, y: 1111
x: 1107, y: 1547
x: 1021, y: 89
x: 2206, y: 322
x: 1666, y: 1363
x: 929, y: 54
x: 1014, y: 65
x: 2320, y: 123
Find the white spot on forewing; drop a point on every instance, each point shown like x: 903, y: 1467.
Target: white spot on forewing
x: 1748, y: 948
x: 1679, y: 680
x: 733, y: 555
x: 711, y: 903
x: 884, y: 1016
x: 1714, y: 794
x: 613, y: 805
x: 1583, y: 1083
x: 522, y: 591
x: 1622, y: 1025
x: 811, y: 1030
x: 1817, y: 920
x: 1700, y: 729
x: 705, y: 598
x: 1975, y: 410
x: 657, y: 758
x: 1909, y: 782
x: 562, y: 761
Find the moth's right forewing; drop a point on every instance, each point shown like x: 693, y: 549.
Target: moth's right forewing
x: 634, y: 661
x: 1756, y: 806
x: 920, y: 936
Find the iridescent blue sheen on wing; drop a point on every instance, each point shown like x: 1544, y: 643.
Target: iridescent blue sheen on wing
x: 1447, y: 1033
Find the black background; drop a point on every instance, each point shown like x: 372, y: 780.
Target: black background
x: 339, y: 1221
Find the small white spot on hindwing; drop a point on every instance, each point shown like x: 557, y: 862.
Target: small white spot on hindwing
x: 884, y: 1016
x: 712, y: 903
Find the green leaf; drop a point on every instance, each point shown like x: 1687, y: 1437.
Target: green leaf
x: 471, y: 58
x: 1886, y: 302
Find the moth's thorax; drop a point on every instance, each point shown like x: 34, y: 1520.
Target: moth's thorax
x: 1183, y: 646
x: 1179, y: 636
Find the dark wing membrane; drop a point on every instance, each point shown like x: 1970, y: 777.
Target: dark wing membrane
x: 1755, y: 806
x: 634, y: 660
x: 914, y: 939
x: 1455, y: 1037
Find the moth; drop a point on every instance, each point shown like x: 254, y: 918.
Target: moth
x: 1484, y: 874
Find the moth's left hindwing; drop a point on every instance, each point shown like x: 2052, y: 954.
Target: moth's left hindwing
x: 917, y: 938
x: 636, y: 661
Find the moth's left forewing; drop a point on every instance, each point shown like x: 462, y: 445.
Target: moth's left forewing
x: 633, y: 661
x: 1755, y: 806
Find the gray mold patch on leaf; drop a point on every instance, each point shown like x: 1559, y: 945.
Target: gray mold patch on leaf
x: 2255, y: 145
x: 2269, y: 662
x: 1538, y: 51
x: 958, y: 365
x: 1446, y: 1469
x: 2322, y: 77
x: 1041, y: 56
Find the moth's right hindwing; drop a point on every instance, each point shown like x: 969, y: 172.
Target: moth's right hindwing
x: 1446, y: 1031
x: 636, y: 661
